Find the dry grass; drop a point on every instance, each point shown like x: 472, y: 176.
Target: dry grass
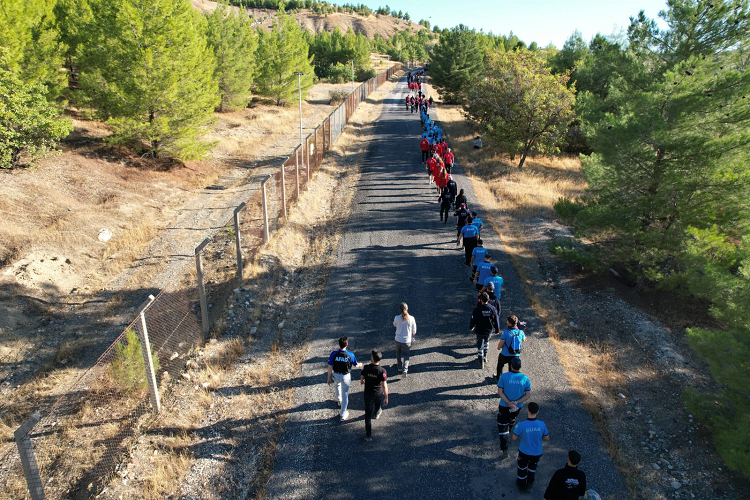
x: 169, y: 467
x: 123, y: 249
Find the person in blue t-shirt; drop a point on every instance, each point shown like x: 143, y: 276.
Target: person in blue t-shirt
x: 513, y: 388
x: 477, y: 257
x: 469, y: 235
x: 340, y: 364
x: 495, y: 279
x: 507, y: 339
x: 531, y: 432
x: 484, y: 270
x: 477, y: 222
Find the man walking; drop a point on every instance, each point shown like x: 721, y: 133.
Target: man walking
x: 531, y: 432
x: 340, y: 364
x: 424, y: 145
x: 376, y: 388
x: 510, y: 343
x: 567, y: 483
x: 482, y: 324
x: 468, y: 234
x: 513, y: 388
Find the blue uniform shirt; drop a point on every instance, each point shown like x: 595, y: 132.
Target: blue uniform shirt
x: 478, y: 255
x: 514, y: 385
x: 506, y: 335
x: 469, y: 231
x: 531, y: 432
x: 484, y: 271
x: 497, y: 281
x: 477, y: 222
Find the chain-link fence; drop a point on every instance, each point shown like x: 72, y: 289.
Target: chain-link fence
x: 77, y: 447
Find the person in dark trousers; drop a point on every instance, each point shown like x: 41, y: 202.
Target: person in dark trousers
x: 461, y: 200
x: 532, y: 433
x: 513, y: 388
x: 463, y: 216
x: 376, y: 389
x: 453, y: 188
x: 340, y: 364
x: 468, y: 235
x: 424, y: 145
x: 567, y: 483
x: 482, y: 325
x: 449, y: 158
x: 445, y: 204
x: 506, y: 338
x: 495, y: 304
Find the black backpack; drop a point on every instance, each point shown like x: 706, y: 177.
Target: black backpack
x: 342, y: 362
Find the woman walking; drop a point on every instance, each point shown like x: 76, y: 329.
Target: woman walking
x: 406, y: 330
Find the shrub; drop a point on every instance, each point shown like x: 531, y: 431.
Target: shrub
x: 127, y: 368
x: 337, y: 96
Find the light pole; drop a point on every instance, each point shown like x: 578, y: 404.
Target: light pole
x: 299, y: 87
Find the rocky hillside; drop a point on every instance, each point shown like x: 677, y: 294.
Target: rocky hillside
x: 385, y: 26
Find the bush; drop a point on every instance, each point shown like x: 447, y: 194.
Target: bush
x: 364, y: 74
x: 127, y: 368
x: 337, y: 96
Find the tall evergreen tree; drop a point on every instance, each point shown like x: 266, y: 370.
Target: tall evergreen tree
x: 456, y: 61
x: 520, y: 105
x: 234, y: 43
x: 147, y: 67
x: 33, y: 50
x: 282, y: 52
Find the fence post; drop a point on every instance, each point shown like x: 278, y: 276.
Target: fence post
x: 265, y: 210
x: 28, y: 460
x: 238, y: 241
x: 309, y: 163
x: 201, y: 285
x: 296, y: 169
x: 283, y: 189
x: 148, y: 362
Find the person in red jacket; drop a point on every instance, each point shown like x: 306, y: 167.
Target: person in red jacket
x: 441, y: 179
x: 448, y: 157
x: 424, y: 145
x: 431, y: 166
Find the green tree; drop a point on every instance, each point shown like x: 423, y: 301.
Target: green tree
x: 520, y: 105
x: 456, y: 61
x: 32, y: 44
x: 234, y: 43
x: 148, y: 69
x: 128, y: 369
x: 671, y: 149
x: 574, y: 50
x: 282, y: 52
x: 30, y: 126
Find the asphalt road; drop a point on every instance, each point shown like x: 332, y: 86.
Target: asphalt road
x: 438, y: 436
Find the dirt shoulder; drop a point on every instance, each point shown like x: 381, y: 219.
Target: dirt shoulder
x: 625, y: 352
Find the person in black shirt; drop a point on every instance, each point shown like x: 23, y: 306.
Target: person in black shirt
x: 482, y: 319
x: 445, y: 204
x: 567, y: 483
x: 376, y: 388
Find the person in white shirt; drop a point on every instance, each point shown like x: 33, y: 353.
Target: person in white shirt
x: 406, y: 330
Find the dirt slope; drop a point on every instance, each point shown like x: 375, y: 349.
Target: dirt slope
x: 371, y: 25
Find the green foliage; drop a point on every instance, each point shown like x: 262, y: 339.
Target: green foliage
x: 282, y: 52
x: 671, y: 154
x: 234, y: 43
x: 457, y: 60
x: 574, y: 50
x: 127, y: 368
x: 147, y: 67
x: 30, y: 126
x: 520, y: 105
x: 31, y: 43
x: 332, y: 51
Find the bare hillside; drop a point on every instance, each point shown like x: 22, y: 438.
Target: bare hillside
x: 370, y: 25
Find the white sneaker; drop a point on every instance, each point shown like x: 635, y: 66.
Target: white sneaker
x: 344, y: 416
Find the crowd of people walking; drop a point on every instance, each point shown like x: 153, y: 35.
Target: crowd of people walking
x: 513, y: 386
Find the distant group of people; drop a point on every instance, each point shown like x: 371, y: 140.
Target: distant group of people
x: 513, y: 387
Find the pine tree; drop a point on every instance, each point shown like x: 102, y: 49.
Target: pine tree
x: 456, y: 61
x: 32, y: 44
x: 234, y: 44
x: 146, y: 66
x: 520, y: 105
x: 30, y: 126
x: 282, y: 52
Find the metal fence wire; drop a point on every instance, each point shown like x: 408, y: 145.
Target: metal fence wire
x: 75, y: 449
